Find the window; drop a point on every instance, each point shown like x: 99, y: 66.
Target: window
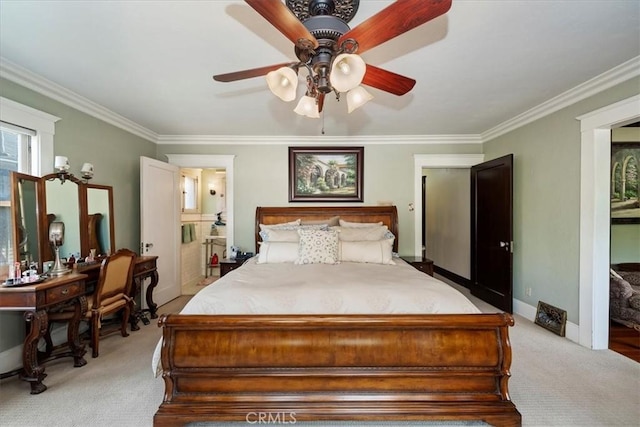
x: 15, y: 149
x: 190, y: 193
x: 27, y: 146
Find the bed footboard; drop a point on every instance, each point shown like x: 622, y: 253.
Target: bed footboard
x: 288, y: 368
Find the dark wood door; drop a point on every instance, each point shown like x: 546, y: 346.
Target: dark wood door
x: 492, y: 232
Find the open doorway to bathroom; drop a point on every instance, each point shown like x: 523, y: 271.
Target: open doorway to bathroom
x: 204, y: 226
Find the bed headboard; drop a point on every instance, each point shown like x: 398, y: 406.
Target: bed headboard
x: 276, y: 215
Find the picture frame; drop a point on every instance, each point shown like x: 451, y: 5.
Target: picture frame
x: 551, y: 318
x: 625, y: 193
x: 326, y: 174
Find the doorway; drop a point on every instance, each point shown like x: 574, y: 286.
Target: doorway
x: 210, y: 163
x: 595, y: 217
x: 203, y: 224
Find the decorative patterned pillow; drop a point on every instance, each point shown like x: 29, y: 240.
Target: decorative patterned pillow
x: 277, y: 252
x: 317, y: 247
x: 376, y: 252
x: 344, y: 223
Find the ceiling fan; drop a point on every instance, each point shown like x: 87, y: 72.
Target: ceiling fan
x: 326, y: 47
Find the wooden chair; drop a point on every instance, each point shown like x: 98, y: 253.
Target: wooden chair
x: 111, y: 295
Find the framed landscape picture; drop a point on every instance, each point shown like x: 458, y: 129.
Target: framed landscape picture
x: 325, y: 174
x: 625, y: 180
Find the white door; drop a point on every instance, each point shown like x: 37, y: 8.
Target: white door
x: 160, y: 225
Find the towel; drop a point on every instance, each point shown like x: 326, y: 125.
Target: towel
x: 192, y: 232
x: 186, y: 233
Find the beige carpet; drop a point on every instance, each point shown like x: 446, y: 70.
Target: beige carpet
x: 554, y: 383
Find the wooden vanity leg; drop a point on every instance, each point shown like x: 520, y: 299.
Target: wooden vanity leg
x: 152, y: 306
x: 32, y: 371
x: 73, y: 332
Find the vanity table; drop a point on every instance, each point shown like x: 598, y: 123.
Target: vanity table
x: 36, y: 301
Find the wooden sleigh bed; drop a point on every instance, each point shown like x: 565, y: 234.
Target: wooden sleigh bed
x: 293, y: 368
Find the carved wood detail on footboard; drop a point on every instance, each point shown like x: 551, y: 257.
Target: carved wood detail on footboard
x: 345, y: 367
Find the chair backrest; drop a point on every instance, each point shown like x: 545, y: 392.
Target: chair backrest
x: 116, y: 273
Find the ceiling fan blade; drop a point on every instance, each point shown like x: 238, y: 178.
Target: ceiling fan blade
x: 320, y: 101
x: 398, y: 18
x: 247, y: 74
x: 279, y: 15
x: 387, y: 81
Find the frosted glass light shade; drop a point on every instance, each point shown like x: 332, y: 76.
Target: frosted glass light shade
x: 357, y: 97
x: 61, y: 163
x: 307, y: 107
x: 347, y: 72
x: 87, y: 170
x: 283, y: 83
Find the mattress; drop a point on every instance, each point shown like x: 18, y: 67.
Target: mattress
x: 344, y: 288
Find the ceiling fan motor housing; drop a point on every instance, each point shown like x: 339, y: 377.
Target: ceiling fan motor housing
x: 304, y: 9
x: 327, y: 30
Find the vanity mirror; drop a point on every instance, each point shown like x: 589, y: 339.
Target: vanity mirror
x: 62, y: 204
x: 97, y: 219
x: 85, y: 209
x: 25, y: 201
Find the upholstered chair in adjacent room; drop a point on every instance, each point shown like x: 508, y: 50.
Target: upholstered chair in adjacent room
x: 111, y: 296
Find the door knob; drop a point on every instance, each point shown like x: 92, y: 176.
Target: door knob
x: 506, y: 245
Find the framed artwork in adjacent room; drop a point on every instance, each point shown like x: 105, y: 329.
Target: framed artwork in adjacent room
x: 326, y: 174
x: 625, y: 180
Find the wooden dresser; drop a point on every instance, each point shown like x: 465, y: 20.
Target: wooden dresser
x: 36, y: 301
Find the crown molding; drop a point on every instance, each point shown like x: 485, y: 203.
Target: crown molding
x: 314, y: 140
x: 39, y: 84
x: 625, y: 71
x: 30, y: 80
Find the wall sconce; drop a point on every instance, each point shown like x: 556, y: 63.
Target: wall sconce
x: 87, y: 171
x: 61, y: 165
x: 212, y: 191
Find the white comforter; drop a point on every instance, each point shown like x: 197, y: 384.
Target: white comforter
x: 346, y: 288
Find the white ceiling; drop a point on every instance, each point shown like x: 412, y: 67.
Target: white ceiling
x: 479, y: 65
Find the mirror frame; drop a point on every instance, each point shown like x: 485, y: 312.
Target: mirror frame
x: 84, y: 217
x: 16, y: 178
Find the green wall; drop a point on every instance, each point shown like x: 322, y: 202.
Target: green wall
x: 547, y: 200
x: 115, y: 155
x: 261, y: 179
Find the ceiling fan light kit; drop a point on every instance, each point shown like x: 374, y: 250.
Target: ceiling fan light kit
x: 308, y: 107
x: 326, y: 47
x: 283, y: 83
x: 357, y: 97
x: 347, y: 72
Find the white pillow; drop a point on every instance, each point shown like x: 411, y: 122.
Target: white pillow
x: 287, y: 233
x: 344, y: 223
x: 375, y: 252
x: 277, y: 252
x: 264, y: 227
x: 333, y: 221
x: 317, y: 247
x: 357, y: 234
